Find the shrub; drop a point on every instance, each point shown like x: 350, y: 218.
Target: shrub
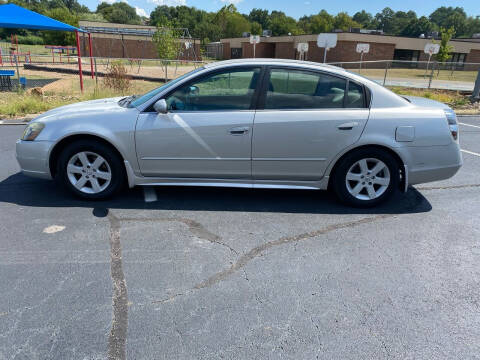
x: 30, y: 40
x: 117, y: 77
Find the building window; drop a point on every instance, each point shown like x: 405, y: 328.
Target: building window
x: 401, y: 56
x: 236, y: 53
x: 458, y: 59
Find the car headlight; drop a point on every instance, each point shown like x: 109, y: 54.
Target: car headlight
x: 32, y: 131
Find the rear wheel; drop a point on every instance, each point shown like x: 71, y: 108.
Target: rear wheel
x: 91, y: 170
x: 366, y: 177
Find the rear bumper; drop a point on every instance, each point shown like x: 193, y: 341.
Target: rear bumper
x: 33, y: 158
x: 427, y: 164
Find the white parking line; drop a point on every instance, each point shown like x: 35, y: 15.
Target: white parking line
x: 475, y: 126
x: 470, y: 152
x: 150, y: 194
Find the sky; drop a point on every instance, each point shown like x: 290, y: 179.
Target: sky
x: 298, y: 8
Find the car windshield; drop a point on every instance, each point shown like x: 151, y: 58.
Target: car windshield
x: 137, y: 101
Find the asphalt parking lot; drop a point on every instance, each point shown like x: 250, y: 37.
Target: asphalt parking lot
x: 198, y: 273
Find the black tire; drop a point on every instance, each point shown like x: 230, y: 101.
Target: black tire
x: 339, y: 182
x: 115, y: 163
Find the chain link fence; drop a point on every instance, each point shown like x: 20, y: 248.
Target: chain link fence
x: 60, y: 74
x: 417, y: 74
x: 112, y: 76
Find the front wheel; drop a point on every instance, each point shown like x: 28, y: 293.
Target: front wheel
x: 366, y: 178
x: 91, y: 169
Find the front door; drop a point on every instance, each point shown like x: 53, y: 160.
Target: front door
x: 307, y: 118
x: 207, y: 132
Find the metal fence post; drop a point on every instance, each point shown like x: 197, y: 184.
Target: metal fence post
x: 18, y: 71
x: 96, y: 74
x: 385, y: 76
x: 431, y: 75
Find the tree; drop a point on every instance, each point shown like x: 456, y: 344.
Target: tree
x: 401, y: 20
x: 255, y: 28
x: 119, y: 12
x: 60, y: 37
x: 260, y: 16
x: 315, y: 24
x: 473, y: 26
x: 231, y: 22
x: 441, y: 15
x: 363, y: 18
x: 384, y: 20
x: 417, y: 27
x: 166, y: 40
x: 344, y: 22
x: 445, y: 48
x: 281, y: 24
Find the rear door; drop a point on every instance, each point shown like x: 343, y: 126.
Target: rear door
x: 305, y: 118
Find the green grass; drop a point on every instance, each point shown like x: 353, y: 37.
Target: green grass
x: 16, y: 104
x: 34, y: 49
x: 21, y: 104
x: 457, y: 75
x: 452, y: 98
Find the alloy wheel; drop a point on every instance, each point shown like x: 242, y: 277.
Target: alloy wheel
x: 89, y: 172
x: 367, y: 179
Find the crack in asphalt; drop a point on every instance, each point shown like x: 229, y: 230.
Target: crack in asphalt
x: 118, y: 333
x: 256, y: 251
x: 194, y: 227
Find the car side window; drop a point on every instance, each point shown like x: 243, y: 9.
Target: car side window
x: 355, y: 96
x: 228, y: 90
x: 299, y: 89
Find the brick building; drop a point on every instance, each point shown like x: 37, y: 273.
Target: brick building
x: 382, y: 47
x: 127, y: 41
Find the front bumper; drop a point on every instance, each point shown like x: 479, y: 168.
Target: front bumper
x: 33, y: 158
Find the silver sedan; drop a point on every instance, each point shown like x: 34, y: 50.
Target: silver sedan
x: 260, y: 123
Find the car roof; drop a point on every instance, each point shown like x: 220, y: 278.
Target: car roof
x: 277, y: 62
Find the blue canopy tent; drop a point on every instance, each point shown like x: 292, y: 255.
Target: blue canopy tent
x: 14, y: 16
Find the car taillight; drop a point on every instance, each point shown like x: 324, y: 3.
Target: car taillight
x: 452, y: 123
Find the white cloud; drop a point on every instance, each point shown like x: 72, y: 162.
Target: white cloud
x: 168, y: 2
x: 235, y: 2
x: 141, y: 12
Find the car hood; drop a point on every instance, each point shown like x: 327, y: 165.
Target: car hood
x: 91, y: 106
x: 424, y: 102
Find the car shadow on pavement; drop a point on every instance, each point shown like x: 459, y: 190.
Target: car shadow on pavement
x: 23, y: 191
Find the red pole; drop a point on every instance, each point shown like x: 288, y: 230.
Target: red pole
x: 90, y: 50
x: 79, y: 61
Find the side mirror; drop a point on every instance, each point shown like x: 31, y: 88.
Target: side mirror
x: 194, y: 90
x: 161, y: 106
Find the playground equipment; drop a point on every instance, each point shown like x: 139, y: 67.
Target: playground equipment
x: 61, y: 50
x: 14, y: 55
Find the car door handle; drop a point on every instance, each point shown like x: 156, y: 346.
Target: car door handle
x: 239, y: 130
x: 347, y: 126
